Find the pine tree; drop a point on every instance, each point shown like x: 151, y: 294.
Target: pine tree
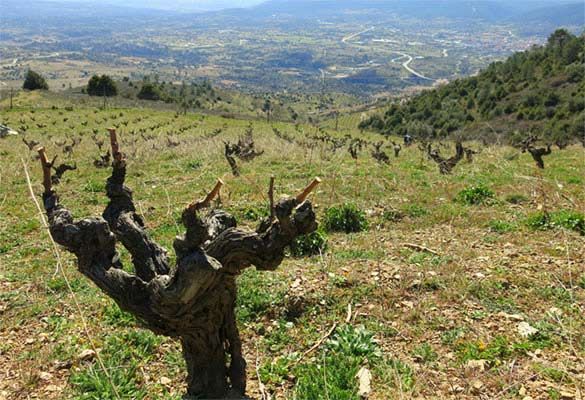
x: 34, y: 81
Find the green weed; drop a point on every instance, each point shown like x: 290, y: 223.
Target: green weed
x: 476, y: 195
x: 346, y: 218
x: 314, y: 243
x: 498, y: 226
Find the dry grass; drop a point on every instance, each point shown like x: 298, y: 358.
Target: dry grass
x: 430, y: 314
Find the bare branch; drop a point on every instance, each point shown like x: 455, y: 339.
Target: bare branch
x: 46, y: 165
x: 307, y: 191
x: 271, y: 198
x: 201, y: 204
x: 118, y: 157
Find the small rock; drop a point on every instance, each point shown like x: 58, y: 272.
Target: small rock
x: 526, y: 330
x: 457, y: 389
x: 365, y: 377
x: 522, y: 391
x: 163, y: 380
x: 476, y: 386
x: 512, y: 317
x: 86, y: 355
x: 45, y: 376
x: 296, y: 283
x: 62, y: 364
x: 476, y: 365
x: 416, y: 284
x: 408, y: 304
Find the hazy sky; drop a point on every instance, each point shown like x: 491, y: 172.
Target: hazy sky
x: 174, y: 4
x: 200, y: 5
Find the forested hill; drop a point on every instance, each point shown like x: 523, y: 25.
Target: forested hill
x: 539, y: 92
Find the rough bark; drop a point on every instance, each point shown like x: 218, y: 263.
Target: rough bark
x: 446, y: 165
x: 230, y: 151
x: 194, y: 300
x: 397, y: 148
x: 538, y: 153
x: 380, y: 155
x: 60, y: 171
x: 469, y: 153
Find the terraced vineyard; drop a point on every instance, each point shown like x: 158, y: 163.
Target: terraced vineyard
x: 469, y: 285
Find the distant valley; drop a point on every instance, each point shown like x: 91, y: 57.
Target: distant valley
x: 366, y: 49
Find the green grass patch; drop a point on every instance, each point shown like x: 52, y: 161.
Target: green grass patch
x: 396, y: 374
x: 275, y: 371
x: 314, y: 243
x: 122, y: 355
x: 257, y: 294
x: 475, y: 195
x: 333, y: 374
x: 571, y: 220
x: 114, y: 316
x: 425, y: 353
x: 415, y: 210
x: 494, y: 295
x: 346, y: 218
x: 501, y: 227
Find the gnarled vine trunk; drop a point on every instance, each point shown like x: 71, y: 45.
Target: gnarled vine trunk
x: 193, y: 300
x: 446, y: 165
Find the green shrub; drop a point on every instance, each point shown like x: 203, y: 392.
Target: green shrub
x: 346, y: 218
x: 276, y: 370
x: 392, y: 215
x: 354, y: 342
x: 309, y: 245
x: 102, y: 86
x: 148, y: 91
x: 425, y: 353
x: 415, y: 210
x: 475, y: 195
x: 498, y: 226
x: 539, y: 221
x: 93, y: 187
x: 113, y: 315
x: 332, y: 376
x: 194, y: 164
x: 397, y: 373
x: 571, y: 220
x: 493, y: 352
x: 34, y: 81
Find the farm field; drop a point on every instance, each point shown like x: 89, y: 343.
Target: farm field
x: 463, y: 286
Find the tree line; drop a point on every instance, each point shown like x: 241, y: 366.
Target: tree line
x: 538, y: 91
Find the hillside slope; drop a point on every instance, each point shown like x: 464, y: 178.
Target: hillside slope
x: 539, y: 91
x: 435, y: 289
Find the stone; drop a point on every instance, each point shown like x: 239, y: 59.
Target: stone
x: 86, y: 355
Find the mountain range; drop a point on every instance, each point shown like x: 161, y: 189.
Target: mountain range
x: 557, y: 13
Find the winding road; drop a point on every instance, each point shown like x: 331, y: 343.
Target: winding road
x: 345, y: 39
x: 405, y: 64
